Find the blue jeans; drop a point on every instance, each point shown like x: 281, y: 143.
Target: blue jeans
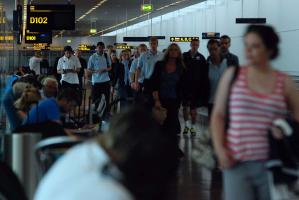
x: 247, y: 181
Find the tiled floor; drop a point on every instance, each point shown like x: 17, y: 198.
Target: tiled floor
x: 194, y: 182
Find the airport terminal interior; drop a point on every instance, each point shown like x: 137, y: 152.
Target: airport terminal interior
x: 149, y: 100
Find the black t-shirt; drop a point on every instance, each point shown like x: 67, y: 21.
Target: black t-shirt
x: 196, y: 80
x: 83, y: 66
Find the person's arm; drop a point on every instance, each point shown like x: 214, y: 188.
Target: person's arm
x: 155, y: 80
x: 237, y: 61
x: 292, y: 97
x: 218, y: 120
x: 22, y: 114
x: 133, y: 70
x: 140, y: 68
x: 31, y: 64
x: 60, y: 67
x: 109, y: 68
x: 90, y: 66
x: 78, y: 65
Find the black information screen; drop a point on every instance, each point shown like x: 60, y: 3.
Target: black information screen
x: 50, y: 17
x: 38, y: 37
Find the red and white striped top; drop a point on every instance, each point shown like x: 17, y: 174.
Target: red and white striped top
x: 251, y: 116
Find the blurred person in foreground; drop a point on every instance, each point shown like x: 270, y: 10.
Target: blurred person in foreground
x: 132, y: 160
x: 258, y: 96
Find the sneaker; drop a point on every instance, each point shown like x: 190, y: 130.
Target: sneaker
x: 193, y: 132
x: 186, y: 130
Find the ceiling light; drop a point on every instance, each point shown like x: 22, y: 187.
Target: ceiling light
x: 91, y: 10
x: 140, y: 16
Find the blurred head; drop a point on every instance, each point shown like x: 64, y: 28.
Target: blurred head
x: 29, y: 98
x: 113, y: 56
x: 214, y: 48
x: 110, y: 48
x: 78, y: 53
x: 129, y: 52
x: 142, y: 48
x: 225, y: 42
x: 125, y: 55
x: 68, y: 51
x: 173, y: 52
x: 50, y: 87
x: 153, y: 43
x: 67, y: 99
x: 30, y: 79
x: 146, y: 157
x: 100, y: 47
x: 194, y: 45
x: 261, y: 44
x: 37, y: 54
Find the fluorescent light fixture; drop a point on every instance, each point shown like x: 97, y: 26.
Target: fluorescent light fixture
x: 167, y: 16
x: 138, y: 17
x: 91, y: 10
x: 69, y: 41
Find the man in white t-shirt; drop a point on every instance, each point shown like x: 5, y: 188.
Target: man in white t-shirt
x: 69, y: 66
x: 34, y: 62
x: 133, y: 160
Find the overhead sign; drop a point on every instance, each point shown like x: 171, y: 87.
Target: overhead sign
x: 147, y: 7
x: 85, y: 47
x: 141, y: 39
x: 123, y: 46
x: 6, y: 46
x: 210, y: 35
x: 183, y: 39
x: 44, y: 17
x: 158, y: 37
x: 251, y: 20
x: 38, y: 37
x: 41, y: 46
x: 6, y: 38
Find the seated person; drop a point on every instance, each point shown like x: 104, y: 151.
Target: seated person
x: 45, y: 117
x: 50, y: 88
x: 133, y: 160
x: 13, y: 92
x: 29, y: 98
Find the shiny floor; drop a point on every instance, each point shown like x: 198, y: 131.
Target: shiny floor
x: 194, y: 182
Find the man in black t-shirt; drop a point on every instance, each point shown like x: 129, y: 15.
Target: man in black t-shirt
x: 232, y: 59
x: 195, y: 85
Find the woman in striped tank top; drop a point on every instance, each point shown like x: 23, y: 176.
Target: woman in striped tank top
x: 258, y: 96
